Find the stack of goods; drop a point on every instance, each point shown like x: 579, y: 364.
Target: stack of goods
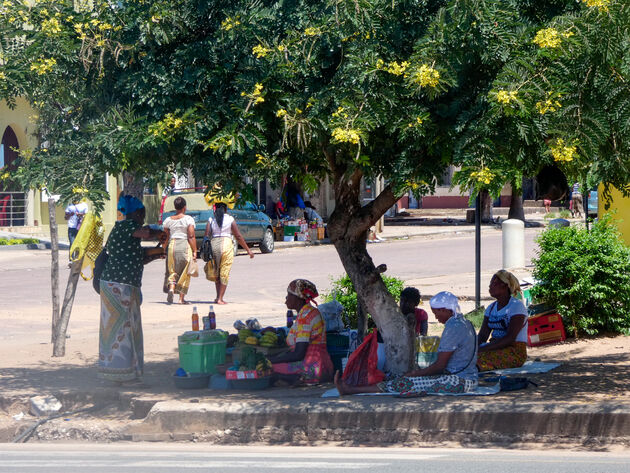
x: 426, y: 350
x: 252, y: 371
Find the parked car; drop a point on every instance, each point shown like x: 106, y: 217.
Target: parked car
x: 254, y: 224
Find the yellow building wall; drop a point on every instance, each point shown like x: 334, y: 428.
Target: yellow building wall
x: 620, y: 205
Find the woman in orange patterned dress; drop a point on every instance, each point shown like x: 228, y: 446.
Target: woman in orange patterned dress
x: 307, y: 359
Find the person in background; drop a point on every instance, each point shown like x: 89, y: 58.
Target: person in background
x: 310, y: 215
x: 170, y: 187
x: 219, y: 230
x: 74, y: 214
x: 409, y: 301
x: 181, y: 250
x: 307, y: 359
x: 576, y: 200
x: 453, y: 372
x: 121, y: 352
x: 547, y: 204
x: 279, y: 210
x: 505, y: 321
x: 293, y: 199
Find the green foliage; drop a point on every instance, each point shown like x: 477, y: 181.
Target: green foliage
x: 476, y: 316
x: 17, y: 241
x: 564, y: 213
x: 585, y: 276
x: 344, y: 292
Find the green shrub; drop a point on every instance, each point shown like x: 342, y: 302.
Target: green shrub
x: 18, y: 241
x: 343, y: 291
x: 585, y: 276
x: 476, y: 317
x: 564, y: 213
x: 549, y: 215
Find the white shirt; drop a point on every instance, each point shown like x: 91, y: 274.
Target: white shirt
x: 178, y: 227
x: 78, y: 211
x: 498, y: 320
x: 226, y: 228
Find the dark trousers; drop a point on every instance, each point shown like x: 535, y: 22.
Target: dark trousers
x: 72, y: 234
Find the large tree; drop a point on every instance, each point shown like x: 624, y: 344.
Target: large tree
x: 339, y: 89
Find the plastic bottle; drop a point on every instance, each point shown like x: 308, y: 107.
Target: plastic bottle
x: 289, y: 318
x: 213, y: 318
x: 195, y: 320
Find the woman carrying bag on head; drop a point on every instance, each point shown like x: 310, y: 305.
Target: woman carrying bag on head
x: 219, y: 230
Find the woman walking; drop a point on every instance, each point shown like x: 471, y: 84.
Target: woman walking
x: 181, y: 252
x: 220, y: 229
x: 121, y: 352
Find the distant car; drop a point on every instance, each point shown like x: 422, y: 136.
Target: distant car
x: 592, y: 202
x: 253, y: 223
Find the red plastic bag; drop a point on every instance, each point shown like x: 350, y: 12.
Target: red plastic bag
x: 361, y: 368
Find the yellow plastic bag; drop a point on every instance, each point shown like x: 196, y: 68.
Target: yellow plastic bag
x: 88, y: 243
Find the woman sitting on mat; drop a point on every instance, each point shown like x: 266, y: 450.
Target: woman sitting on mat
x: 506, y: 322
x: 307, y: 360
x: 453, y: 372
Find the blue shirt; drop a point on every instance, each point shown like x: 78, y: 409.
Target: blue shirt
x: 459, y: 337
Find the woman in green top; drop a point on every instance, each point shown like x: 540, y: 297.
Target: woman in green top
x: 121, y: 353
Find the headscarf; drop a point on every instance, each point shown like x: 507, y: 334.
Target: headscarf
x: 509, y: 280
x: 304, y: 289
x: 445, y: 300
x: 128, y: 204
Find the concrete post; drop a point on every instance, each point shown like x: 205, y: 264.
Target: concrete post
x: 513, y: 243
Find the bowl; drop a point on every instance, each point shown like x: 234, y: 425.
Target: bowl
x: 192, y: 381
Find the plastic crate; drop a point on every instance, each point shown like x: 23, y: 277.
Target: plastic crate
x: 201, y: 356
x: 545, y: 329
x: 337, y: 340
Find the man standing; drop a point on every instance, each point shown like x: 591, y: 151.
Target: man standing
x: 576, y: 200
x: 74, y: 214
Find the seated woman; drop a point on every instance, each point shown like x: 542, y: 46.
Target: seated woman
x: 506, y: 321
x: 453, y: 372
x: 307, y: 359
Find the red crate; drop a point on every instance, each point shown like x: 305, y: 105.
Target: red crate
x: 544, y: 329
x: 249, y: 374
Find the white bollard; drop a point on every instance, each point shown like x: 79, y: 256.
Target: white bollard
x: 513, y: 243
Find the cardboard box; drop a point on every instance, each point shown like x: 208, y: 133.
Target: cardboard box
x: 544, y: 329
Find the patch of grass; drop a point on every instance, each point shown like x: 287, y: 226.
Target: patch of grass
x: 476, y: 316
x: 17, y: 241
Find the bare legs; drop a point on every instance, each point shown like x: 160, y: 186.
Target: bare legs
x: 343, y: 388
x: 220, y: 287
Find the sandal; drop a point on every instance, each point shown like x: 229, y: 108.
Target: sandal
x: 169, y: 296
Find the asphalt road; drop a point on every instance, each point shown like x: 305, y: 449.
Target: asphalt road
x: 143, y: 458
x: 25, y: 276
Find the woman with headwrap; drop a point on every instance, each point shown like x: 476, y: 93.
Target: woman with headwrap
x: 453, y: 372
x: 506, y: 322
x: 121, y: 353
x: 219, y: 229
x: 307, y: 360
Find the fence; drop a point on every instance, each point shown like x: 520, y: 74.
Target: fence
x: 12, y: 209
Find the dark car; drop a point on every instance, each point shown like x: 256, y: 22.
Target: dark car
x: 253, y: 223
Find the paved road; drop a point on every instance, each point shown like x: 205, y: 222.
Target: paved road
x: 141, y: 458
x: 25, y: 276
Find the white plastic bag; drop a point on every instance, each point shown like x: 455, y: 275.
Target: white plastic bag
x: 331, y: 312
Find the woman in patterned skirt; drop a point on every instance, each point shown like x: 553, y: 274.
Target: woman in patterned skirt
x: 506, y: 322
x: 307, y: 360
x: 453, y: 372
x: 121, y: 352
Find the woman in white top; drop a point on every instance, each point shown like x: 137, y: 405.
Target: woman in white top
x: 182, y: 250
x: 506, y: 321
x: 221, y: 227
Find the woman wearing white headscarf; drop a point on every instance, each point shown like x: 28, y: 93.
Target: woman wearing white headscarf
x: 454, y: 371
x: 506, y: 322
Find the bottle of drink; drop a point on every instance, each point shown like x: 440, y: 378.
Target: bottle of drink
x: 289, y: 318
x: 195, y: 319
x: 213, y: 318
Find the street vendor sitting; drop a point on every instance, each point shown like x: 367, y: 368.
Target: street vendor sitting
x: 506, y: 321
x: 307, y: 359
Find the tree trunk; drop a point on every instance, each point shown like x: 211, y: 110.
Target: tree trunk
x: 347, y: 228
x: 486, y: 206
x: 54, y: 265
x: 516, y: 205
x: 59, y: 335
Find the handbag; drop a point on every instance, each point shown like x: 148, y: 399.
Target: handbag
x: 99, y: 266
x: 193, y: 269
x: 206, y: 250
x: 211, y: 275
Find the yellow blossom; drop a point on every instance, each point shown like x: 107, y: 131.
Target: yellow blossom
x: 380, y: 64
x: 281, y: 48
x: 601, y: 4
x: 229, y: 23
x: 341, y: 135
x: 506, y: 97
x: 549, y: 105
x: 4, y: 176
x: 562, y: 152
x: 260, y: 159
x: 44, y: 66
x: 547, y: 38
x: 51, y: 27
x: 340, y: 112
x: 260, y: 51
x: 397, y: 69
x: 79, y: 190
x: 281, y: 113
x: 426, y: 76
x: 483, y: 176
x: 3, y: 76
x: 312, y: 31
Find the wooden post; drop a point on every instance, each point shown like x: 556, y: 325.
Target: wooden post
x: 54, y: 265
x: 59, y: 335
